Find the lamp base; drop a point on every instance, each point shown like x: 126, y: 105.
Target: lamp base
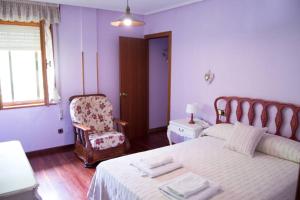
x: 192, y: 119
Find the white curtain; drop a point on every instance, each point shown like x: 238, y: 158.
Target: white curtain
x: 54, y: 96
x: 26, y: 11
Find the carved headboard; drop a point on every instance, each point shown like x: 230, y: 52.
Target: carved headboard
x: 251, y: 113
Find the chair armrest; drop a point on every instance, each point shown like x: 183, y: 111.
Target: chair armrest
x: 121, y: 126
x: 121, y: 122
x: 82, y: 135
x: 82, y: 127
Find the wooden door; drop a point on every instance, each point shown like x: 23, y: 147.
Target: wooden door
x: 134, y: 85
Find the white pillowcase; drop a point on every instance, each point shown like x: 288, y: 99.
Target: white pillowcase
x: 279, y: 147
x: 244, y: 138
x: 221, y: 131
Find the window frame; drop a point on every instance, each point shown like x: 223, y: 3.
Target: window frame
x: 32, y: 103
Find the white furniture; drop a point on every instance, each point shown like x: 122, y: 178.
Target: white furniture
x: 17, y: 181
x: 183, y: 128
x: 240, y: 177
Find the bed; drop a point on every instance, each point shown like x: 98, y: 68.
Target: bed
x: 261, y: 177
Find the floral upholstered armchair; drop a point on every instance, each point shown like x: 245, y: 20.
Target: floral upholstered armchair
x: 98, y: 136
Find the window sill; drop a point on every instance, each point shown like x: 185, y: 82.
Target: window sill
x: 26, y: 106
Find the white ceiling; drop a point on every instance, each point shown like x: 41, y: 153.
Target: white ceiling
x: 144, y: 7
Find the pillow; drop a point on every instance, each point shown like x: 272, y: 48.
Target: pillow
x: 221, y: 131
x: 279, y: 147
x: 244, y: 138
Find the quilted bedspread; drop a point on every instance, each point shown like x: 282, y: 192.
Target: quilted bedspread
x: 263, y: 177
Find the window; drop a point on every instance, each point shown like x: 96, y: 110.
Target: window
x: 23, y: 74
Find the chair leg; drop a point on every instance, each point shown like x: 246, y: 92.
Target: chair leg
x: 126, y: 146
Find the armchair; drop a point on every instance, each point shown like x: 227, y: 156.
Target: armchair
x: 98, y: 136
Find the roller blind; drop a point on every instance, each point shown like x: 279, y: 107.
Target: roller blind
x: 19, y: 37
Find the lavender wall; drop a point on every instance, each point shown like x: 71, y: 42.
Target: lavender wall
x: 158, y: 83
x: 252, y: 46
x: 80, y: 28
x: 109, y: 54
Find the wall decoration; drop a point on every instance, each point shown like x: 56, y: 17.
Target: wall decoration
x: 209, y: 77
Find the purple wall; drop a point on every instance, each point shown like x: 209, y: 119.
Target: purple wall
x: 37, y: 127
x: 109, y: 54
x: 252, y: 46
x: 158, y: 83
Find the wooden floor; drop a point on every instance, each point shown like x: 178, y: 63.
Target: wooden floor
x: 61, y: 174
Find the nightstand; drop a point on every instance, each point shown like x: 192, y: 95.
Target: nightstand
x: 182, y: 128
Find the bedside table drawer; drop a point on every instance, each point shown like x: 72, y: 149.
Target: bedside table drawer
x: 182, y: 131
x: 183, y: 128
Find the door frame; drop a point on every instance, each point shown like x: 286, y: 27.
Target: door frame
x: 167, y: 34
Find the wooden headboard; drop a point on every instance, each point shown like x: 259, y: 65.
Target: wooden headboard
x: 252, y: 113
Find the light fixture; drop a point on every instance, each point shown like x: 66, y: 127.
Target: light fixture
x: 221, y: 115
x: 209, y: 77
x: 127, y: 19
x: 191, y: 109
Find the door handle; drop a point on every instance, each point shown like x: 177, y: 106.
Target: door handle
x: 124, y: 94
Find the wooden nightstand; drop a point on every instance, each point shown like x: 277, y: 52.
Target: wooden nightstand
x: 183, y: 128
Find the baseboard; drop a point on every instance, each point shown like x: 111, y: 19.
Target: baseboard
x: 50, y: 150
x: 158, y: 129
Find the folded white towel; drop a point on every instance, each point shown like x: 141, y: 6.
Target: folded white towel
x: 188, y: 184
x: 154, y: 162
x: 156, y: 171
x: 203, y: 195
x: 211, y: 190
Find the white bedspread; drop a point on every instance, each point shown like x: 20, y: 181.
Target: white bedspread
x: 261, y: 178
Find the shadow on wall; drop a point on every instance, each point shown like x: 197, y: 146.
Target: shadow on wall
x: 158, y: 82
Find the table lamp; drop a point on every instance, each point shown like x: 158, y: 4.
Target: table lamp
x: 191, y: 109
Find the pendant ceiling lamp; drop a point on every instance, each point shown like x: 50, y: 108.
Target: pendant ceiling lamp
x: 127, y: 19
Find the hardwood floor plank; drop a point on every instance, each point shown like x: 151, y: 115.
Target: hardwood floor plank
x: 61, y: 175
